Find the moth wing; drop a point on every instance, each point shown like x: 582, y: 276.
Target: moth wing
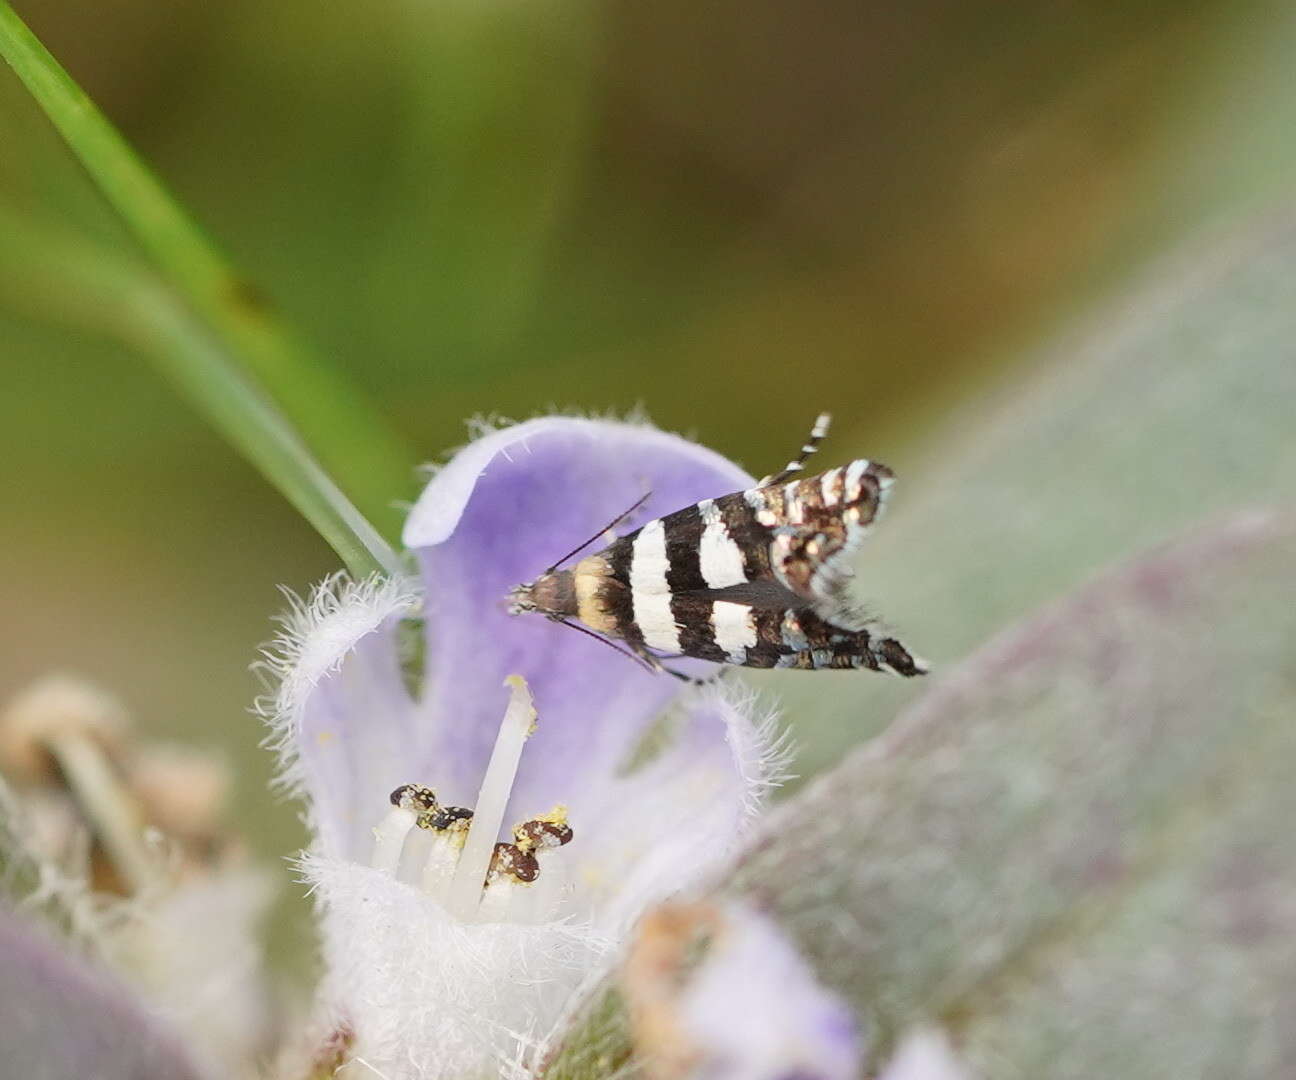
x: 816, y: 525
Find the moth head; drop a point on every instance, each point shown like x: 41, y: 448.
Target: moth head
x: 551, y: 594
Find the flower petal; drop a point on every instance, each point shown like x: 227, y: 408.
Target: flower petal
x: 749, y: 1009
x: 496, y: 516
x: 653, y: 832
x: 924, y: 1054
x: 63, y: 1019
x: 428, y: 996
x: 341, y: 719
x: 757, y: 1010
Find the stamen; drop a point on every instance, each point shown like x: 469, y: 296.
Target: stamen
x: 446, y: 829
x: 415, y: 797
x: 547, y: 831
x: 509, y: 860
x: 414, y: 854
x: 507, y: 895
x: 474, y: 863
x: 408, y: 801
x: 543, y: 836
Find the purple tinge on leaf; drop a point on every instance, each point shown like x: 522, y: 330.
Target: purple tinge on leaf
x: 58, y: 1018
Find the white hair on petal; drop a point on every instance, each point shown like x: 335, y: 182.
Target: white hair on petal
x: 482, y: 425
x: 761, y: 747
x: 315, y: 635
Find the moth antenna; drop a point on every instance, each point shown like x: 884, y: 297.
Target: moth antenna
x: 614, y: 647
x: 691, y: 680
x: 610, y: 525
x: 817, y: 435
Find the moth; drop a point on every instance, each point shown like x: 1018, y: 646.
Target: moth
x: 757, y: 578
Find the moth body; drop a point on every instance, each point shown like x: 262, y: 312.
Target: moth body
x: 755, y: 578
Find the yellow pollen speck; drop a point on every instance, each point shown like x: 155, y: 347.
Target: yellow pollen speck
x: 325, y: 737
x: 556, y: 816
x: 518, y: 688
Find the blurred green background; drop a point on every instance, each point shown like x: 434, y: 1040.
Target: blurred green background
x: 733, y: 215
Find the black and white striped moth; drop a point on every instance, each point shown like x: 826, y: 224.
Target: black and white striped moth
x: 756, y: 578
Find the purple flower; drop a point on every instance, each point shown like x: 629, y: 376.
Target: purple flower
x: 65, y: 1018
x: 716, y: 990
x: 627, y: 789
x: 924, y: 1054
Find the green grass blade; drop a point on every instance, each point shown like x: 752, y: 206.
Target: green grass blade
x: 248, y: 345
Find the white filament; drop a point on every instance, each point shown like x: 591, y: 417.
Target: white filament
x: 389, y: 837
x: 497, y: 785
x: 439, y: 867
x: 503, y: 901
x: 546, y: 893
x: 418, y: 844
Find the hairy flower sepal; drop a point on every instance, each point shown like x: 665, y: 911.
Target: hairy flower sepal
x: 428, y: 995
x: 428, y: 980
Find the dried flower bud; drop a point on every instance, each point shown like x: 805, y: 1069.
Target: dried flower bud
x: 54, y: 708
x: 184, y: 791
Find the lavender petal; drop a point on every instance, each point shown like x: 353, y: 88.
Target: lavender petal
x: 924, y: 1054
x: 655, y: 831
x: 751, y: 1008
x: 342, y: 720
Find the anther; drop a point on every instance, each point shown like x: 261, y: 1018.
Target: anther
x: 416, y: 798
x: 535, y: 898
x: 408, y: 801
x: 509, y: 860
x: 446, y: 819
x: 551, y: 831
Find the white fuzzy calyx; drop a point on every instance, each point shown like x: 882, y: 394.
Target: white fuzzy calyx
x: 447, y: 954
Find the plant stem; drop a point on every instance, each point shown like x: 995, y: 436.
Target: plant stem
x: 249, y: 360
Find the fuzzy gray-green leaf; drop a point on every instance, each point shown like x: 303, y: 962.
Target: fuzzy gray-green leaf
x: 1075, y: 851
